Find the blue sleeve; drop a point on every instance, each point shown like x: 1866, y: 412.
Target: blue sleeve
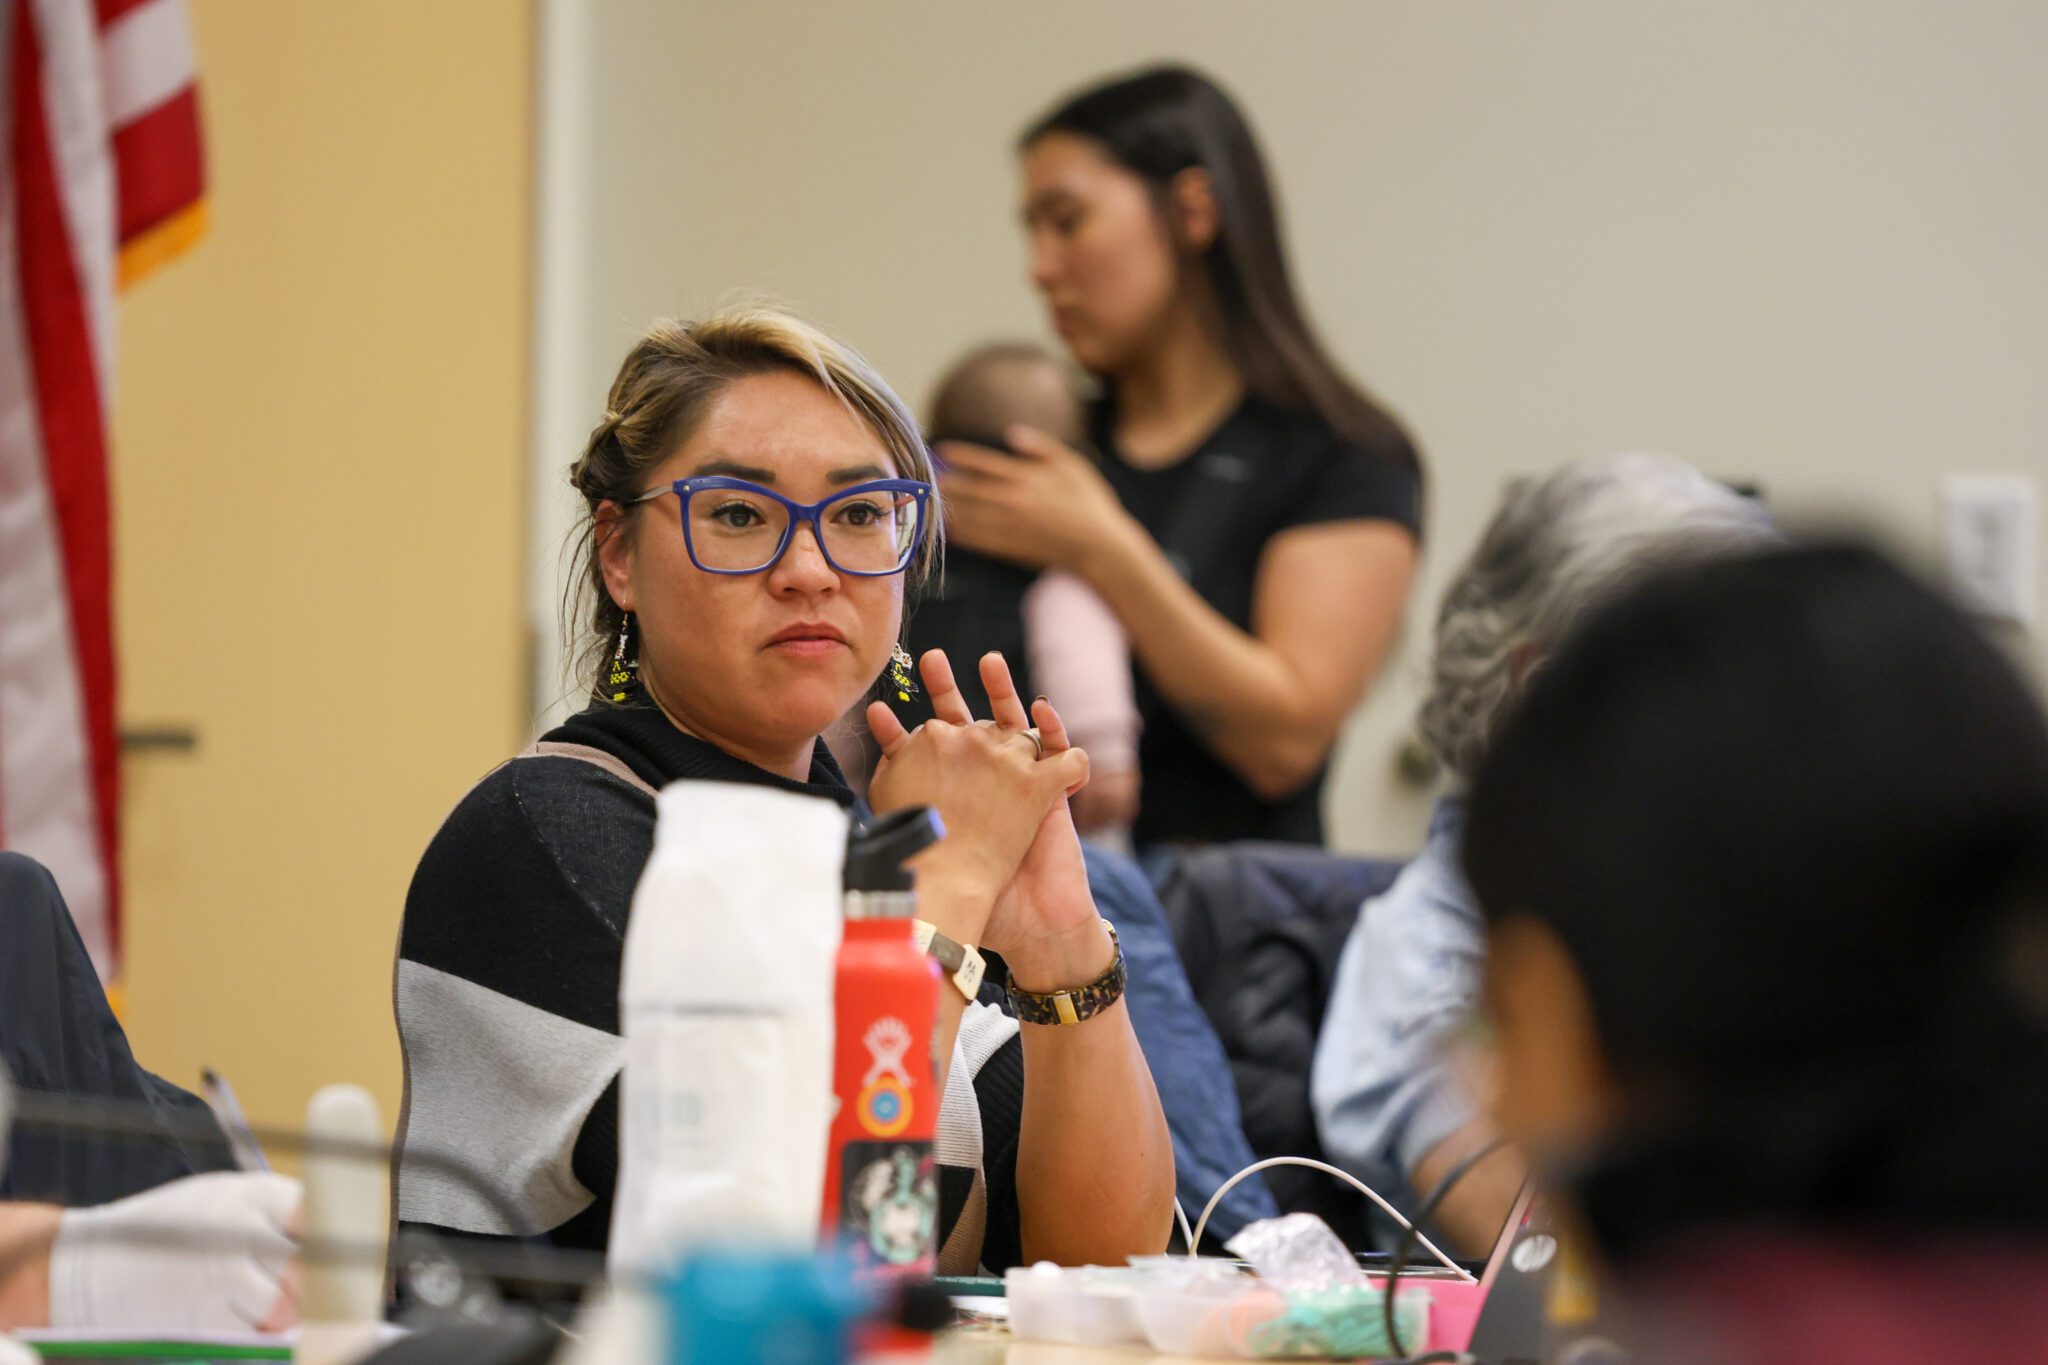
x: 1188, y: 1063
x: 1383, y: 1091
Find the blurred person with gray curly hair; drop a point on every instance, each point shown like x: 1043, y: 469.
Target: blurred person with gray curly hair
x: 1389, y: 1105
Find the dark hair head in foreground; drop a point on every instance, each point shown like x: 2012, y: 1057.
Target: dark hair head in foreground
x: 1784, y: 819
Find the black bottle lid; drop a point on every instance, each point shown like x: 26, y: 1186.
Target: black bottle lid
x: 876, y: 857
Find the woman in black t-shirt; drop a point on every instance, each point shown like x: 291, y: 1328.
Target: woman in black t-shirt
x: 1255, y: 517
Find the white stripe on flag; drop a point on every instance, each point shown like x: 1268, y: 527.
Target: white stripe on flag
x: 46, y: 796
x: 84, y: 157
x: 146, y: 57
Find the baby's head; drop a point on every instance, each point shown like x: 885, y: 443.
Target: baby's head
x: 997, y: 386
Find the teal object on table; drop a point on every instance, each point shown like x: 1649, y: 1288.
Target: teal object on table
x: 744, y: 1308
x: 970, y: 1286
x: 1342, y: 1323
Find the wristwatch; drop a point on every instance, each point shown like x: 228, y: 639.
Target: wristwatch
x: 962, y: 961
x: 1078, y: 1004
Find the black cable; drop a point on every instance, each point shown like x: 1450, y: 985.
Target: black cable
x: 1405, y: 1244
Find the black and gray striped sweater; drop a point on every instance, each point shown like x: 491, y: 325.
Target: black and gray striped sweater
x: 507, y: 998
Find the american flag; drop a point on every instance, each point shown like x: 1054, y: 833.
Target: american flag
x: 104, y: 182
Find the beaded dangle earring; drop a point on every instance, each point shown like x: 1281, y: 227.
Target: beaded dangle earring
x: 900, y: 675
x: 624, y: 671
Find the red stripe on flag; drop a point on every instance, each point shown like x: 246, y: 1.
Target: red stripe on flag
x: 110, y: 10
x: 74, y: 437
x: 159, y: 168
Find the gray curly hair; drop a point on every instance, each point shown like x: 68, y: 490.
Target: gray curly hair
x: 1559, y: 546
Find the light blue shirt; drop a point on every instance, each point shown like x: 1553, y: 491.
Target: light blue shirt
x: 1383, y: 1089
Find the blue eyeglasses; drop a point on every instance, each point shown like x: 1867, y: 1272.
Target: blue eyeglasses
x: 731, y: 526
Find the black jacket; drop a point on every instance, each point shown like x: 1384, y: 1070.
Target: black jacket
x: 58, y: 1034
x: 1260, y: 927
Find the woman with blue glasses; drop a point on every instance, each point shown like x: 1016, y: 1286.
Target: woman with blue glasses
x: 759, y: 505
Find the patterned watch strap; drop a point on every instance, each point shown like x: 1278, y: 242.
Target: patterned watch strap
x: 1082, y: 1002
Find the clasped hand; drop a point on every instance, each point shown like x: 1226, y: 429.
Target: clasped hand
x: 1008, y: 875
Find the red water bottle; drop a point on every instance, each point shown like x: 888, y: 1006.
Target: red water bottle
x: 881, y: 1183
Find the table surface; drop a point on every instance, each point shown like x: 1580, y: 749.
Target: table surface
x: 981, y: 1346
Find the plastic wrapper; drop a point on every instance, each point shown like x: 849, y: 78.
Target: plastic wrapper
x: 1208, y: 1307
x: 1307, y: 1300
x: 1298, y: 1252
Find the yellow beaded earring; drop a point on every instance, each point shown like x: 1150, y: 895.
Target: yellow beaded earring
x: 900, y: 675
x: 624, y: 672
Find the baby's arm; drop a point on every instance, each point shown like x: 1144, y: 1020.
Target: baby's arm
x: 1081, y: 660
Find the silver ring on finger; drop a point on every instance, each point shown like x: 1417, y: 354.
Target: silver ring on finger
x: 1037, y: 742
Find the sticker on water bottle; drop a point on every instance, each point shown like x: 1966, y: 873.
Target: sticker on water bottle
x: 884, y: 1106
x: 892, y: 1201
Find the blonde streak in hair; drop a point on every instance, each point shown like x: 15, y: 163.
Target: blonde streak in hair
x: 761, y: 332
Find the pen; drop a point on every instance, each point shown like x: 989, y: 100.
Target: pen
x: 220, y: 1097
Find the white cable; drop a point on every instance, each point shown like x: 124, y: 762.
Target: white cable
x: 1181, y: 1214
x: 1202, y: 1223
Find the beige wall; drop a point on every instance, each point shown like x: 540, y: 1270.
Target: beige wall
x: 1796, y: 243
x: 1800, y: 243
x: 319, y: 495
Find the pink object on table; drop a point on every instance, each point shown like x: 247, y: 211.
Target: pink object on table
x: 1453, y: 1311
x: 1082, y: 661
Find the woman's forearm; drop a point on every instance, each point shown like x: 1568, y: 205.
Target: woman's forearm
x: 1094, y: 1159
x: 1235, y: 691
x: 28, y: 1232
x: 957, y: 909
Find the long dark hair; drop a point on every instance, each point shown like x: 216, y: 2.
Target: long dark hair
x: 1789, y: 815
x: 1160, y: 122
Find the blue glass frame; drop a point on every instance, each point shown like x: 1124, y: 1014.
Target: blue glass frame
x: 799, y: 512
